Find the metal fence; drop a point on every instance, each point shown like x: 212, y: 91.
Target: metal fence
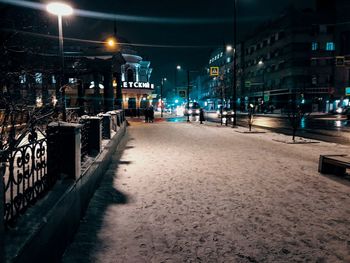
x: 24, y: 155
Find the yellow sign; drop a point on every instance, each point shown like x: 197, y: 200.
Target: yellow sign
x: 214, y: 71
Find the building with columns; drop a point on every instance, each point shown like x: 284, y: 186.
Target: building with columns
x: 135, y: 82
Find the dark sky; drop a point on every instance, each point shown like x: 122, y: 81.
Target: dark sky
x: 164, y: 60
x: 205, y: 35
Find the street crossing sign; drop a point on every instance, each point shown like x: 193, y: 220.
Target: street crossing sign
x: 214, y: 71
x: 347, y: 91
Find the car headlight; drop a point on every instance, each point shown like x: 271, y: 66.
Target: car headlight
x: 197, y: 111
x: 339, y: 110
x: 190, y: 111
x: 225, y: 113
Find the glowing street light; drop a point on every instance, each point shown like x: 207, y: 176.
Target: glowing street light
x: 161, y: 97
x: 60, y: 9
x: 178, y: 67
x: 261, y: 64
x: 111, y: 42
x: 229, y: 48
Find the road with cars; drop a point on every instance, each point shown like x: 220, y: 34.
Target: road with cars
x: 330, y: 128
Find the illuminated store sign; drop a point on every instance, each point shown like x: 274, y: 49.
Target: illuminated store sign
x: 137, y: 85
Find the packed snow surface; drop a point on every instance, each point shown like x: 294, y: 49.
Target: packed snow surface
x: 199, y: 193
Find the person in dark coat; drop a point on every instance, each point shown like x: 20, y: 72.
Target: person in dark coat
x: 201, y: 116
x: 151, y: 113
x: 146, y: 114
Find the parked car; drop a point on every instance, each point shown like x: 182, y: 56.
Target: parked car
x: 226, y: 113
x: 194, y: 109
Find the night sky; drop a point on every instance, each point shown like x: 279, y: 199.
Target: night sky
x: 211, y: 28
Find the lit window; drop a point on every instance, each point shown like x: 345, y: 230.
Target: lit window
x: 53, y: 79
x: 22, y: 79
x: 38, y: 78
x: 314, y: 46
x: 330, y: 46
x: 221, y: 54
x: 228, y: 60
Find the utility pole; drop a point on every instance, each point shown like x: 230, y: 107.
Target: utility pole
x: 188, y: 95
x: 234, y: 123
x: 161, y: 98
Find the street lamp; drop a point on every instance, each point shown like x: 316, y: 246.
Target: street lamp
x: 178, y: 68
x: 60, y: 9
x: 234, y: 93
x: 261, y: 64
x: 161, y: 97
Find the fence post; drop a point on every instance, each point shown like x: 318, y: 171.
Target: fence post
x: 64, y: 143
x: 95, y: 135
x: 2, y: 209
x: 113, y: 120
x: 106, y: 126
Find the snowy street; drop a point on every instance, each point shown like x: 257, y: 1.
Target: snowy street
x: 201, y: 193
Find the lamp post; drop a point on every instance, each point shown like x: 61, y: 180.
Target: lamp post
x: 178, y: 68
x: 161, y: 97
x: 60, y: 9
x: 262, y: 65
x: 234, y: 92
x: 188, y: 96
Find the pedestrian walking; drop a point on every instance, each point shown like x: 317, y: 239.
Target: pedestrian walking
x: 201, y: 116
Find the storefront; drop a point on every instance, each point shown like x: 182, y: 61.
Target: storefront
x: 136, y: 96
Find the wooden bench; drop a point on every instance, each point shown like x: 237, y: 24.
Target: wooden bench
x: 333, y: 164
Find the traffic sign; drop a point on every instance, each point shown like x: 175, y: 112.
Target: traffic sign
x: 340, y: 61
x: 347, y: 91
x: 214, y: 71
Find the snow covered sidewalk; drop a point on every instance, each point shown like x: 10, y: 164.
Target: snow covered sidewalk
x: 189, y: 193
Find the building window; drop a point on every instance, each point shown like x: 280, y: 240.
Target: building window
x: 38, y: 78
x: 228, y: 60
x: 314, y: 46
x: 330, y: 46
x: 22, y: 79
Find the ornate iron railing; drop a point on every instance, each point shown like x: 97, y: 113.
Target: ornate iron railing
x: 24, y: 155
x: 25, y: 176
